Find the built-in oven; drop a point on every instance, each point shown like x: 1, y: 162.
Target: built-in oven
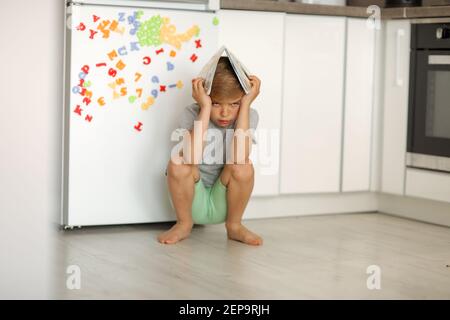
x: 428, y: 143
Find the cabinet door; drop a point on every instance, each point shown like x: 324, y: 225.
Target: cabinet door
x: 358, y: 106
x: 256, y: 38
x: 312, y: 107
x: 395, y: 109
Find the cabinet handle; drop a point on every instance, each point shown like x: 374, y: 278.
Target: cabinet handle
x: 398, y: 77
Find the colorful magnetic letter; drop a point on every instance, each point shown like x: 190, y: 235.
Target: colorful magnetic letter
x: 147, y: 60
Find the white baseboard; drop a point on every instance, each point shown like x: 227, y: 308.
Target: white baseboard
x: 311, y: 204
x: 429, y: 211
x: 415, y: 208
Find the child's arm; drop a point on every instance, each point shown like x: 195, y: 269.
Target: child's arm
x: 241, y: 144
x: 194, y: 146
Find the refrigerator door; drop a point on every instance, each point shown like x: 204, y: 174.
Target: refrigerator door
x: 128, y: 78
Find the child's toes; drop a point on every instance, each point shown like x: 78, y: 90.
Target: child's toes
x: 165, y: 238
x: 256, y: 241
x: 170, y: 240
x: 162, y: 239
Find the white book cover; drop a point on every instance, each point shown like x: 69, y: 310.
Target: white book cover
x: 209, y: 70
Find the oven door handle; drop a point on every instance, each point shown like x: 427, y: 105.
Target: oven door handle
x: 398, y: 77
x: 439, y: 59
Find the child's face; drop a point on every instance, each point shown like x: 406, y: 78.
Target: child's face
x: 225, y: 111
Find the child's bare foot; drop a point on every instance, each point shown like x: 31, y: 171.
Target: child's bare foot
x: 177, y: 233
x: 240, y: 233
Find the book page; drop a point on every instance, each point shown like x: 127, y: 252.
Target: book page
x: 241, y: 71
x: 209, y: 70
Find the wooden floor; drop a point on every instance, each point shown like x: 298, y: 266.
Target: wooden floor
x: 312, y: 257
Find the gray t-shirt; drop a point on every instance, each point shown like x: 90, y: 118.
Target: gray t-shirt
x: 211, y: 165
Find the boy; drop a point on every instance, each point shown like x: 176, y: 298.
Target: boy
x: 206, y: 193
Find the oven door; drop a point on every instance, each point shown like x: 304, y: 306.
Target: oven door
x: 429, y: 107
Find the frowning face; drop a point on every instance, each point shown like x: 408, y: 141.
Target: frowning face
x: 225, y: 111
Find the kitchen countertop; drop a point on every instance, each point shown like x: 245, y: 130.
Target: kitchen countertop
x: 347, y: 11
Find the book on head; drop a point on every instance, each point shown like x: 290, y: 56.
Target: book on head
x: 209, y: 70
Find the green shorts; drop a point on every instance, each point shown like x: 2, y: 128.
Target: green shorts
x: 209, y: 205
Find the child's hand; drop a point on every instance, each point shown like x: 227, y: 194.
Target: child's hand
x: 199, y: 94
x: 254, y: 91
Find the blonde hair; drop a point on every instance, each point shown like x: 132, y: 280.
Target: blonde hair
x: 225, y: 83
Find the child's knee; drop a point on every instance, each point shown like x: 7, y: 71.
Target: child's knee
x: 180, y: 170
x: 242, y: 172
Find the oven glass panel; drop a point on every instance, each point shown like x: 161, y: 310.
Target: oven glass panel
x: 438, y: 104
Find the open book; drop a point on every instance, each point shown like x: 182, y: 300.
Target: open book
x: 240, y: 70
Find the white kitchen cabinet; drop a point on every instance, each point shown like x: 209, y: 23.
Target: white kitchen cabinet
x: 358, y: 106
x: 256, y: 38
x: 428, y: 184
x: 313, y: 102
x: 395, y: 108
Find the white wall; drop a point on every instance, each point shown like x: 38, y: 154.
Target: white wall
x: 30, y: 142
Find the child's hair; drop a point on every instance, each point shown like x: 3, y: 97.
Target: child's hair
x: 225, y: 83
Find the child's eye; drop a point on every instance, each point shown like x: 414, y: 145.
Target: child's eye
x: 235, y: 105
x: 214, y: 104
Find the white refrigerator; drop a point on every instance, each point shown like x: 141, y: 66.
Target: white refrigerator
x: 128, y: 74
